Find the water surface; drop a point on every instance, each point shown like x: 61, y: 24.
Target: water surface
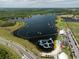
x: 38, y: 26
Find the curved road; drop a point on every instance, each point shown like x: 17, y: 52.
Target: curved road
x: 18, y: 48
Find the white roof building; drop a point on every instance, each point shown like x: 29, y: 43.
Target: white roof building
x: 62, y: 32
x: 62, y: 56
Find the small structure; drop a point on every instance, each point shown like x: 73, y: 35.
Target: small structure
x: 62, y: 32
x: 62, y: 45
x: 62, y: 56
x: 46, y: 43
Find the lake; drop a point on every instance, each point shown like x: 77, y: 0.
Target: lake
x: 38, y: 27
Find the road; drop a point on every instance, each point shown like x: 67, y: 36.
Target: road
x: 73, y: 43
x: 18, y: 48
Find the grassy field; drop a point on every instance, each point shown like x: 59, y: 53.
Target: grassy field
x: 7, y: 53
x: 74, y: 26
x: 59, y: 23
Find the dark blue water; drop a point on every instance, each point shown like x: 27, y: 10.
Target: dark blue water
x: 38, y: 26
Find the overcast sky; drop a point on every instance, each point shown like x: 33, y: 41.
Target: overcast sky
x: 39, y: 3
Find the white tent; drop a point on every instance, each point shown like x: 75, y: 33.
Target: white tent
x: 62, y: 32
x: 62, y: 56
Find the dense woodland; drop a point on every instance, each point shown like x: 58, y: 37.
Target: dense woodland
x: 25, y: 12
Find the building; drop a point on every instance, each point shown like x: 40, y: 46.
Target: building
x: 62, y: 56
x: 46, y: 43
x: 62, y: 32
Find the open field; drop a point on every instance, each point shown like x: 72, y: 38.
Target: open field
x: 7, y: 53
x: 74, y: 26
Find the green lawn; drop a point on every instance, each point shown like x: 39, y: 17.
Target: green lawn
x: 74, y: 26
x: 59, y: 23
x: 7, y: 53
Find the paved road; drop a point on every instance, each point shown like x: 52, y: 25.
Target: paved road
x: 73, y: 44
x: 18, y: 48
